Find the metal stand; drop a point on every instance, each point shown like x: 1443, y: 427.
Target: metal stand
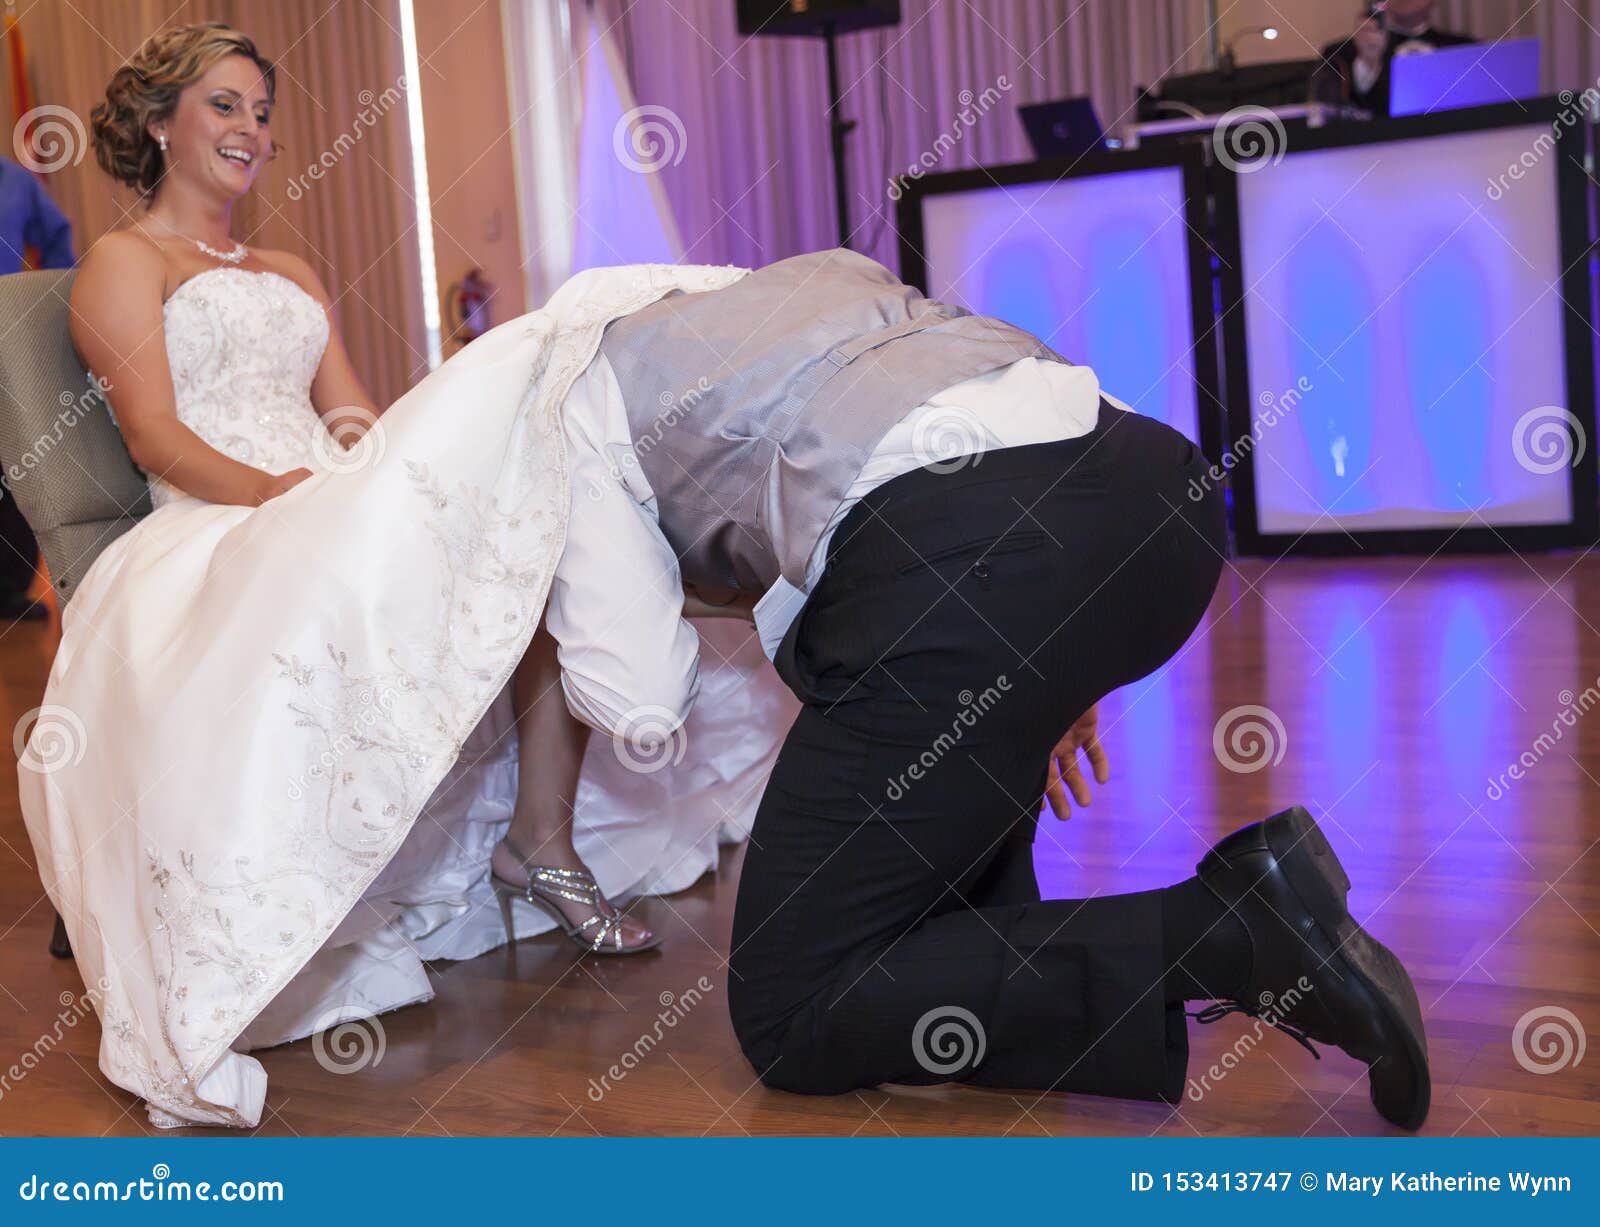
x: 838, y: 128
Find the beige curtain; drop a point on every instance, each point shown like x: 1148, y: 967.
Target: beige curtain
x: 341, y: 108
x: 1568, y: 32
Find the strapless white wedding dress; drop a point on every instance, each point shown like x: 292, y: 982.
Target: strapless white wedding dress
x: 275, y: 748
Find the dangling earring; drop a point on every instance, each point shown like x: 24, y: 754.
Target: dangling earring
x: 162, y: 142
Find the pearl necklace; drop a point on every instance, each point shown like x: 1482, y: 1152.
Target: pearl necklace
x: 236, y: 256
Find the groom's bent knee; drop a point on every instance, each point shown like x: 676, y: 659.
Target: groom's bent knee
x: 789, y: 1062
x: 779, y: 1043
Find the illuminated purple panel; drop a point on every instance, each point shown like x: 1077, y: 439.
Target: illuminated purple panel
x: 1403, y: 316
x: 1097, y: 266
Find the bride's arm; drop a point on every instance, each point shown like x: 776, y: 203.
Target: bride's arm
x: 116, y: 326
x: 702, y: 603
x: 337, y: 393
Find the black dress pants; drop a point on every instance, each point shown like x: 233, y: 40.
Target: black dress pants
x: 888, y: 926
x: 19, y: 553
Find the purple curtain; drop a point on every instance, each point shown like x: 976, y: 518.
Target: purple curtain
x: 752, y: 181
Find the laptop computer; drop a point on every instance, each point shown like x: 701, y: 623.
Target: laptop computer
x: 1475, y: 75
x: 1068, y: 128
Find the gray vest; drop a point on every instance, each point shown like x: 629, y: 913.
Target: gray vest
x: 754, y: 407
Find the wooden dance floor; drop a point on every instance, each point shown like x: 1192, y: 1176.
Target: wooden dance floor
x: 1389, y: 696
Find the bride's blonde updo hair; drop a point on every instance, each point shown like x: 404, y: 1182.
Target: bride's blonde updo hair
x: 146, y: 89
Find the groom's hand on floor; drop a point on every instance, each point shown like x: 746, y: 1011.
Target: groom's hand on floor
x: 1066, y: 769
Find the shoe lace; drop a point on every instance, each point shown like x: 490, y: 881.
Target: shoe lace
x: 1219, y: 1010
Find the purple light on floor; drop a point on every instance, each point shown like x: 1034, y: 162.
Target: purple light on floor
x: 1158, y: 741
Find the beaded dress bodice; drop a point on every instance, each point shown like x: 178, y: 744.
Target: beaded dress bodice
x: 244, y: 347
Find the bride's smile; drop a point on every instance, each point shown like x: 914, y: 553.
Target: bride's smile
x: 218, y: 137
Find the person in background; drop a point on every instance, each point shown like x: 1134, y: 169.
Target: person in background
x: 1361, y: 62
x: 28, y: 218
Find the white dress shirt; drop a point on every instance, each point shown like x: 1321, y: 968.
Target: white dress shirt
x: 1027, y: 402
x: 630, y: 663
x: 1366, y: 75
x: 628, y: 657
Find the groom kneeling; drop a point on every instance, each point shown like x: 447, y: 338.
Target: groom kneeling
x: 961, y: 548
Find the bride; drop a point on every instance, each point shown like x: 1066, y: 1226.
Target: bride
x: 305, y: 684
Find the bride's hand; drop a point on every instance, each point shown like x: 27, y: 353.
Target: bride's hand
x: 274, y: 484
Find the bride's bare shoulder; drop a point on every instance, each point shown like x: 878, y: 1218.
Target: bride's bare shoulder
x: 121, y: 266
x: 126, y: 249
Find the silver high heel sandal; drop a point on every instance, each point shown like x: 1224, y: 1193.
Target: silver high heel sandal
x: 600, y: 933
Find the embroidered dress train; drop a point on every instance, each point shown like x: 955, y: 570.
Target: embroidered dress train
x: 274, y: 753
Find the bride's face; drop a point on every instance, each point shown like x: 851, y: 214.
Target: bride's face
x: 218, y: 136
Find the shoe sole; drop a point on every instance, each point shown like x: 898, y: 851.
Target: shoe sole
x: 1400, y: 1089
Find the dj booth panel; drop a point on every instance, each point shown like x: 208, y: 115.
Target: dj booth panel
x: 1096, y: 264
x: 1413, y: 366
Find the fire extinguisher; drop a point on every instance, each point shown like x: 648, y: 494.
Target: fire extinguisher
x: 468, y: 303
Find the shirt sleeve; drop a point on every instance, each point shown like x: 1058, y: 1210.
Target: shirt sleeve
x: 1364, y: 75
x: 48, y: 229
x: 630, y: 662
x: 1115, y: 403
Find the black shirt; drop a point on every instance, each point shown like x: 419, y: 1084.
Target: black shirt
x: 1341, y: 58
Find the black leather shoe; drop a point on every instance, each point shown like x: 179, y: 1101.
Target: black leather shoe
x: 1284, y: 883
